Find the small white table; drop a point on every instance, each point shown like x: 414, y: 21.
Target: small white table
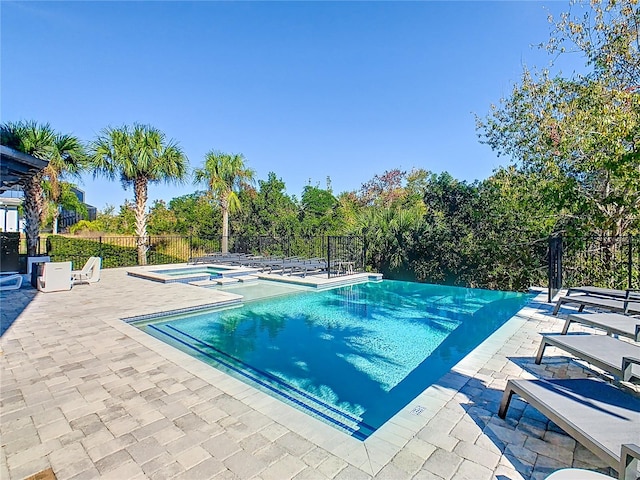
x: 32, y: 260
x: 347, y: 267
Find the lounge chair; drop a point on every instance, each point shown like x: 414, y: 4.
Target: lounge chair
x: 218, y: 258
x: 10, y: 282
x: 595, y: 413
x: 208, y: 258
x: 90, y: 273
x: 307, y: 266
x: 627, y: 470
x: 602, y: 292
x: 628, y: 305
x: 264, y: 263
x: 620, y: 358
x: 56, y: 277
x: 612, y: 323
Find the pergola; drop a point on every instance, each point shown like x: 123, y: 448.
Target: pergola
x: 17, y: 167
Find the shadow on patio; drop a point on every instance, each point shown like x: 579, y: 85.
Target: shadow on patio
x: 13, y: 304
x: 534, y: 445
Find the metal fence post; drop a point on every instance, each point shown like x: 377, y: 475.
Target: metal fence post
x: 630, y: 263
x: 555, y: 265
x: 328, y: 256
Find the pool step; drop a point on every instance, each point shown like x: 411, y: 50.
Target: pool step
x: 248, y: 278
x: 225, y: 280
x: 203, y: 283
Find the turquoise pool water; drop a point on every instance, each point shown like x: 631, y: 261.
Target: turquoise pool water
x: 352, y: 356
x: 262, y: 289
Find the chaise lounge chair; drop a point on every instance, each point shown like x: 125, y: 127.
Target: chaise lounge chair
x: 217, y: 258
x: 56, y: 277
x: 612, y: 323
x: 628, y: 305
x: 10, y: 282
x: 595, y: 413
x: 90, y: 273
x: 601, y: 292
x: 620, y: 358
x: 307, y: 266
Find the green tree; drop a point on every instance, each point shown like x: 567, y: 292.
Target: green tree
x: 511, y: 223
x: 225, y: 175
x: 195, y: 215
x: 607, y: 33
x: 161, y: 219
x: 318, y: 212
x: 106, y: 222
x: 68, y: 159
x: 64, y: 153
x: 268, y: 211
x: 139, y: 155
x: 442, y: 250
x: 581, y: 134
x: 390, y: 235
x: 125, y: 221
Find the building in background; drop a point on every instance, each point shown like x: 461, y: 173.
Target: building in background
x: 16, y: 168
x: 10, y: 219
x: 68, y: 218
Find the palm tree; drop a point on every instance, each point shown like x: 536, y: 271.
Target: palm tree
x: 139, y: 155
x: 68, y: 157
x: 64, y: 153
x: 225, y: 175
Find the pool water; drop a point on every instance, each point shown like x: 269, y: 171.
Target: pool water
x: 352, y: 356
x: 262, y: 289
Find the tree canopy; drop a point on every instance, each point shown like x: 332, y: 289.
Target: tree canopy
x: 581, y: 133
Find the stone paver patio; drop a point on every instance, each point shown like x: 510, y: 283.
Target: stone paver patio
x: 90, y: 396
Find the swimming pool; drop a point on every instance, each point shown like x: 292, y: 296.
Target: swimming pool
x: 191, y: 273
x: 213, y: 271
x: 352, y: 356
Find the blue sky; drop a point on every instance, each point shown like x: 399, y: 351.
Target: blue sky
x: 304, y: 89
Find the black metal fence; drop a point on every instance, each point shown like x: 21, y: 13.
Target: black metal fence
x: 611, y: 262
x: 555, y: 266
x: 603, y: 261
x: 342, y: 254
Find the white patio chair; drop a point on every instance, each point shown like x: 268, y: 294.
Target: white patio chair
x: 56, y: 277
x: 90, y: 273
x: 10, y: 282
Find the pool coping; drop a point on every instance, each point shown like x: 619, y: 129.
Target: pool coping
x: 312, y: 280
x: 146, y: 273
x: 372, y: 454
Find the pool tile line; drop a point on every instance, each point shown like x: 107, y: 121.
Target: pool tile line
x: 180, y: 311
x: 304, y: 405
x: 272, y: 378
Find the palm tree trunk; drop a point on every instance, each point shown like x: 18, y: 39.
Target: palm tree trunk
x: 33, y: 203
x: 54, y: 222
x: 140, y: 194
x: 225, y: 227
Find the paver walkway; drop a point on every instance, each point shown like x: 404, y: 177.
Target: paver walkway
x: 89, y: 396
